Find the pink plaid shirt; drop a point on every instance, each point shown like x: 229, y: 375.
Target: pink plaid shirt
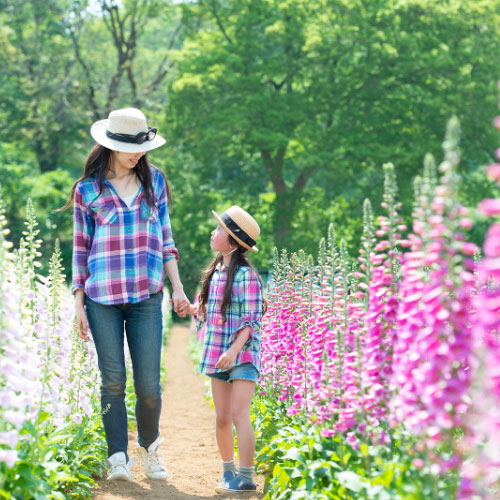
x: 245, y: 310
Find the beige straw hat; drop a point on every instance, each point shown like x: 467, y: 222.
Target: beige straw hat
x: 240, y: 225
x: 126, y: 130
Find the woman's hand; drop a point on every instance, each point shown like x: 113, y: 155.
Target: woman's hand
x: 226, y: 360
x: 81, y: 322
x: 181, y: 302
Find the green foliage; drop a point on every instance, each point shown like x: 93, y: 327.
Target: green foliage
x: 58, y: 455
x: 62, y: 464
x: 287, y: 108
x: 20, y: 180
x: 301, y: 463
x: 67, y: 63
x: 291, y: 95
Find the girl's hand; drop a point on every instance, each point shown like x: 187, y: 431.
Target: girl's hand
x: 226, y: 360
x: 193, y: 309
x: 82, y: 322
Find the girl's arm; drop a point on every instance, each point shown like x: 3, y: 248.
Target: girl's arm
x: 248, y: 295
x: 227, y: 358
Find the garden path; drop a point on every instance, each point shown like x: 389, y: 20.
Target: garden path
x: 190, y: 449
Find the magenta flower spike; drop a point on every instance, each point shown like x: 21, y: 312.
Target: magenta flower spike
x: 432, y: 347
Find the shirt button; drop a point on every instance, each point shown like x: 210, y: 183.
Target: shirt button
x: 129, y: 229
x: 220, y: 322
x: 129, y: 249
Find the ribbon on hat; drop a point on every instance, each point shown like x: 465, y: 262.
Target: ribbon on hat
x: 233, y: 227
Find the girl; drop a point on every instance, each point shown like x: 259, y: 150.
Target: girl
x: 122, y: 249
x: 232, y: 304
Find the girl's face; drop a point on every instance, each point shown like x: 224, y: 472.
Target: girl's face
x: 220, y: 240
x: 126, y: 160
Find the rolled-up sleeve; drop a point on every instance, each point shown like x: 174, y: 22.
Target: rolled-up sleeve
x: 169, y: 250
x: 248, y: 293
x: 83, y: 233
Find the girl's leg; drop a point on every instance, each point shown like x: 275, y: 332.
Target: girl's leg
x: 143, y: 324
x: 243, y: 391
x: 221, y: 393
x: 106, y: 326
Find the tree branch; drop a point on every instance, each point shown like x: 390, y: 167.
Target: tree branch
x: 304, y: 176
x: 164, y: 68
x: 274, y: 169
x: 219, y: 22
x: 86, y: 71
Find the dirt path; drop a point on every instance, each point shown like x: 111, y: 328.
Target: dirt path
x: 189, y: 450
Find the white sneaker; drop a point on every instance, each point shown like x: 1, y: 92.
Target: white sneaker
x: 153, y: 464
x: 120, y: 469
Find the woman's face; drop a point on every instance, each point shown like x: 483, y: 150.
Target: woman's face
x: 126, y: 160
x: 220, y: 240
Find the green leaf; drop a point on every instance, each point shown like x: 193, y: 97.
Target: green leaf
x: 350, y: 480
x: 283, y: 479
x: 293, y: 454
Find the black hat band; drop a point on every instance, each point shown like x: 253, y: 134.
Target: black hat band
x: 139, y: 138
x: 234, y: 228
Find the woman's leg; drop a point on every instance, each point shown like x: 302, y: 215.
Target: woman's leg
x: 144, y: 327
x: 242, y: 394
x: 106, y: 326
x: 221, y: 393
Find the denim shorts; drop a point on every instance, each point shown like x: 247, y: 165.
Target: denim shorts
x: 245, y: 371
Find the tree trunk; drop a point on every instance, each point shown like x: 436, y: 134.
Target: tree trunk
x: 286, y: 198
x: 283, y: 216
x: 47, y: 153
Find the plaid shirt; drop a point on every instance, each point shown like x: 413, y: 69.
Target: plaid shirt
x: 118, y: 253
x: 245, y: 310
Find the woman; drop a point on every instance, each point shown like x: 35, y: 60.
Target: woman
x: 123, y: 248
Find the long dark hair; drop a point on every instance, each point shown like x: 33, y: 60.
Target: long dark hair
x: 98, y: 164
x: 238, y: 259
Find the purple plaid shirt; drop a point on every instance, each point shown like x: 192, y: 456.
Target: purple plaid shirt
x: 245, y: 310
x: 118, y: 253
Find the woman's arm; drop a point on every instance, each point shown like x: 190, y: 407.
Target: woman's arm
x: 181, y: 302
x: 81, y: 315
x: 83, y: 234
x: 170, y: 254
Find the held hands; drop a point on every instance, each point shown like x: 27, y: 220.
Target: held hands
x: 191, y: 309
x: 181, y: 303
x: 226, y: 360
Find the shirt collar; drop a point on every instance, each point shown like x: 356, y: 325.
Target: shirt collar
x: 113, y: 192
x: 219, y: 268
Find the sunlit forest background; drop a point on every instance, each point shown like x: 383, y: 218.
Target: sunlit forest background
x: 288, y: 108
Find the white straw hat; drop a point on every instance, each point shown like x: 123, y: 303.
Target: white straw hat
x: 127, y: 131
x: 240, y: 225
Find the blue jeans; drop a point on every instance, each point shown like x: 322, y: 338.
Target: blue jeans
x: 142, y: 324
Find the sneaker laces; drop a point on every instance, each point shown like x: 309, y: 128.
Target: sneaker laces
x: 120, y: 467
x: 155, y: 463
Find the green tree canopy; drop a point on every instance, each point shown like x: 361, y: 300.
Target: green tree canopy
x: 286, y: 95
